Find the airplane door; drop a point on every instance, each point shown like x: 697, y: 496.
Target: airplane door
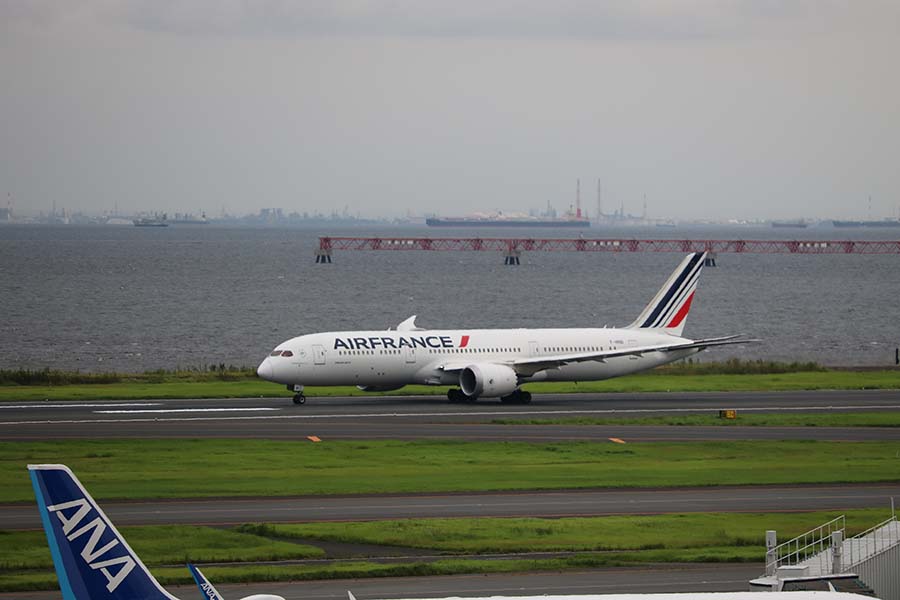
x: 410, y: 355
x: 319, y: 355
x: 532, y: 348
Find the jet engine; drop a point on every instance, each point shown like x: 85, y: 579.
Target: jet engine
x: 488, y: 380
x: 378, y: 388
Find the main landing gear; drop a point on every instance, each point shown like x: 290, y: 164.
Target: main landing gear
x: 517, y: 397
x: 458, y: 397
x: 299, y: 398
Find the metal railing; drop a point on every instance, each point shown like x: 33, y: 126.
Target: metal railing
x: 871, y: 542
x: 805, y: 547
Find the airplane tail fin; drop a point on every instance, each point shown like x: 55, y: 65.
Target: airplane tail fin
x: 91, y: 557
x: 206, y: 588
x: 669, y: 308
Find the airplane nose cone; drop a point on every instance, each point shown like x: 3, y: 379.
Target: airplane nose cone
x: 265, y: 370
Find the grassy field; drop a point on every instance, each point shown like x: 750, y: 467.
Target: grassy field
x: 744, y: 419
x: 242, y: 385
x: 617, y: 533
x: 599, y: 541
x: 278, y: 468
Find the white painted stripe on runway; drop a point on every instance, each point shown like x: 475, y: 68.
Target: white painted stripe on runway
x: 180, y: 410
x: 79, y: 405
x: 498, y: 413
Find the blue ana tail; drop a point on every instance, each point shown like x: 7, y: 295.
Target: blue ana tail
x: 92, y: 559
x: 206, y: 588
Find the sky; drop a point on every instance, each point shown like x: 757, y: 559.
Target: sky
x: 707, y: 108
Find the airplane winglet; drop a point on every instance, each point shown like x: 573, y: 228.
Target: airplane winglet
x: 206, y: 588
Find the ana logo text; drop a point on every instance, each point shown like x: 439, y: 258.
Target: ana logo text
x: 90, y: 553
x: 209, y: 590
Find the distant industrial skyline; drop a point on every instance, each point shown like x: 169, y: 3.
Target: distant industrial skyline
x: 713, y: 109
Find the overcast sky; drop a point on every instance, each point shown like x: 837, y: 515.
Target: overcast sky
x: 728, y: 108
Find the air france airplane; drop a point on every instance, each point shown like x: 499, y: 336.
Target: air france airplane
x: 493, y: 363
x: 94, y: 562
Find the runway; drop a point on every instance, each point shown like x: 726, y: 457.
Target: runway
x: 596, y: 502
x: 430, y: 417
x: 615, y: 580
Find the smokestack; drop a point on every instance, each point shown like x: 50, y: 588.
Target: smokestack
x: 578, y: 198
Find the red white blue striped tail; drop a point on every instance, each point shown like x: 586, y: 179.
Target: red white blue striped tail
x: 669, y: 308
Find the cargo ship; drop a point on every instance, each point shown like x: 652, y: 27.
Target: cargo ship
x: 882, y: 223
x: 190, y: 219
x: 501, y: 221
x: 154, y: 221
x: 801, y: 224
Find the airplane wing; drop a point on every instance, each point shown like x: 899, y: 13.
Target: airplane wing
x: 530, y: 366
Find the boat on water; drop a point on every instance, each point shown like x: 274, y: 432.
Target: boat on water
x: 501, y: 221
x: 154, y: 221
x: 801, y: 224
x: 882, y: 223
x: 190, y: 219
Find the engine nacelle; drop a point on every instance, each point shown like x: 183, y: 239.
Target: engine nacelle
x: 262, y: 597
x: 488, y: 380
x: 378, y: 388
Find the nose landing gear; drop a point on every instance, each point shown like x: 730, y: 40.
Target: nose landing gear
x: 299, y: 398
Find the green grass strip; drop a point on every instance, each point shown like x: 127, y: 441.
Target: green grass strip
x: 744, y: 419
x: 664, y: 381
x: 280, y: 468
x: 614, y: 533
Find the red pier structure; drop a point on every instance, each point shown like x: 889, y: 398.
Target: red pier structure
x: 513, y: 247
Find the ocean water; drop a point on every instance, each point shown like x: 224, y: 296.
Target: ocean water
x: 132, y: 299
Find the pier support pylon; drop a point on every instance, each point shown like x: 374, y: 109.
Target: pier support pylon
x: 511, y: 257
x: 323, y: 256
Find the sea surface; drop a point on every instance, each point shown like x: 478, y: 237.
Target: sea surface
x: 108, y: 298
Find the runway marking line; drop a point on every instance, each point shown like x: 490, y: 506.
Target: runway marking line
x: 183, y: 410
x: 78, y: 405
x: 492, y: 413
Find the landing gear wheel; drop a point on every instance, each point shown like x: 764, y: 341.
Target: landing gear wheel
x: 299, y: 399
x: 458, y: 397
x: 517, y: 397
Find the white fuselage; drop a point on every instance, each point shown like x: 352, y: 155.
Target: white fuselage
x: 386, y: 359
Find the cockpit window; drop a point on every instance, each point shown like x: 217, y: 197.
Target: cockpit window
x: 276, y: 353
x: 287, y: 353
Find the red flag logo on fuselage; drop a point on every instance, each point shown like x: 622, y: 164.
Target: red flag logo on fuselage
x: 464, y: 341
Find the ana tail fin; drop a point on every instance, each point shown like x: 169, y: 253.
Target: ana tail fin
x: 669, y: 308
x: 206, y: 588
x: 91, y: 557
